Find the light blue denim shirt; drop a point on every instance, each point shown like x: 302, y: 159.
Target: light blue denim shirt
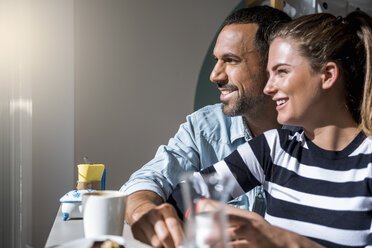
x: 207, y: 136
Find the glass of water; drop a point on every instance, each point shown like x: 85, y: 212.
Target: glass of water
x: 204, y: 198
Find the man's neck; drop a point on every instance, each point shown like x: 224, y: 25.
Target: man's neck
x: 262, y: 120
x: 258, y: 127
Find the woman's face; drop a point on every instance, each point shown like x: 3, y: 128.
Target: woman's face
x: 292, y: 84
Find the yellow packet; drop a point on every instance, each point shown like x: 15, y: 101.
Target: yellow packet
x: 90, y: 172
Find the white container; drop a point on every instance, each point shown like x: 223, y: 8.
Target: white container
x: 72, y: 204
x: 104, y: 213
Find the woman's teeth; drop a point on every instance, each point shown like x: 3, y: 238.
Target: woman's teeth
x: 280, y: 102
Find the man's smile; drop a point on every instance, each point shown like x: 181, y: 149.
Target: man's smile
x: 227, y: 93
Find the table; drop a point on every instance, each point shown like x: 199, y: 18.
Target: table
x: 65, y: 231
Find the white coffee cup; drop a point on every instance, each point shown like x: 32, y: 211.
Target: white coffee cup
x: 103, y: 213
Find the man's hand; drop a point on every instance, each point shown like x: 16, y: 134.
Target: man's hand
x: 153, y: 222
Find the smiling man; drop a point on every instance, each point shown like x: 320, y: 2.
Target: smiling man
x: 240, y: 76
x: 213, y: 132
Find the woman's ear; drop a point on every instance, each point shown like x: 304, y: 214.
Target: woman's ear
x: 330, y: 74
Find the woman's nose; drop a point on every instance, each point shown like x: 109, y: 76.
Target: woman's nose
x: 270, y: 87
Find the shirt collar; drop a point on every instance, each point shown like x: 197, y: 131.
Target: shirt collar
x: 239, y: 129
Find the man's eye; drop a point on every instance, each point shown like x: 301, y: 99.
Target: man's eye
x: 229, y: 60
x: 282, y: 71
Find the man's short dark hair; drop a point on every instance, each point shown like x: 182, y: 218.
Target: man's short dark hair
x: 267, y: 19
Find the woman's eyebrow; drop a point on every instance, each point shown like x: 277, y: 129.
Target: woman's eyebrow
x: 276, y: 66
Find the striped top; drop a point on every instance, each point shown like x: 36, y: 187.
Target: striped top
x: 323, y: 195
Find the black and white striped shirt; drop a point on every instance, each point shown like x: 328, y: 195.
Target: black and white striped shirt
x: 323, y: 195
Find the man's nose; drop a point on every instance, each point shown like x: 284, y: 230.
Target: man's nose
x: 218, y: 73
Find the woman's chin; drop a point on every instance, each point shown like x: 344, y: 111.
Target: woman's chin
x: 286, y: 121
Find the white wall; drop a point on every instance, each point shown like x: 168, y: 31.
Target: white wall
x: 136, y: 70
x: 15, y: 125
x: 52, y: 76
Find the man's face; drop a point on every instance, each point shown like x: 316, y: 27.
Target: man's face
x: 238, y: 73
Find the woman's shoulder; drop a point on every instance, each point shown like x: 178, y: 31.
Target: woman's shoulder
x: 284, y: 132
x: 279, y: 137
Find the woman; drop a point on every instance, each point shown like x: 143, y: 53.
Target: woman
x: 318, y: 181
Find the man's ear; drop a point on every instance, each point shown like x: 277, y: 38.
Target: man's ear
x: 330, y: 74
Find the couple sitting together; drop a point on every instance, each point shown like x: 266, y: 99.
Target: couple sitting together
x: 314, y: 72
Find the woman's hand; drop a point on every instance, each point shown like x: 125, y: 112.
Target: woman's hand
x: 248, y: 229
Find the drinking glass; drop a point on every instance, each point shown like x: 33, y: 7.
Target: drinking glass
x: 206, y: 220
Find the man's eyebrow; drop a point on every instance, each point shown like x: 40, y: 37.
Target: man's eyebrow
x: 230, y: 55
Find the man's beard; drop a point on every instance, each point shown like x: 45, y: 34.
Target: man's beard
x: 247, y: 102
x: 243, y: 105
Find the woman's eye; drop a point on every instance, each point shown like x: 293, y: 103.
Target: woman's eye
x: 282, y: 71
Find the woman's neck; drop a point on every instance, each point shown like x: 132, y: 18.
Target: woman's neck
x: 332, y: 137
x: 333, y: 128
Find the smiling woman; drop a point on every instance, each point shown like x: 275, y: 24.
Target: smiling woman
x: 294, y: 86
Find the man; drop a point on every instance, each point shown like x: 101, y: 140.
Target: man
x: 213, y: 132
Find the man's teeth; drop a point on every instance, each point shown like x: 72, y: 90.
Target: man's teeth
x: 225, y: 92
x: 280, y: 102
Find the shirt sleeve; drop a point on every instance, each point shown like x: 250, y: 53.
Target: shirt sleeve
x: 163, y: 172
x: 245, y: 167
